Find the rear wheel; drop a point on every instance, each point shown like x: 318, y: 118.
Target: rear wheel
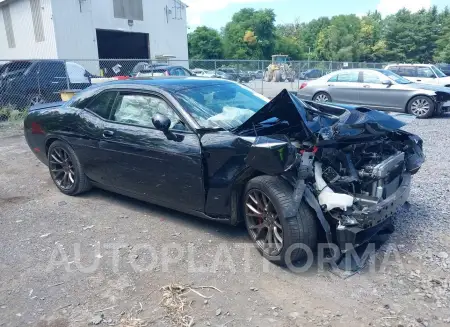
x: 66, y: 170
x: 421, y: 107
x: 322, y: 97
x: 266, y: 200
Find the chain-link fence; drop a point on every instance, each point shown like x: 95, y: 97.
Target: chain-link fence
x: 27, y: 82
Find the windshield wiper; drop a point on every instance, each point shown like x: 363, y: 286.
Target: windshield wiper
x: 210, y: 129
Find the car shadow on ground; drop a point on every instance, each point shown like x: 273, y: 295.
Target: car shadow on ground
x: 220, y: 229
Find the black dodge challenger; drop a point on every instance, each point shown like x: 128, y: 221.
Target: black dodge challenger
x: 294, y: 171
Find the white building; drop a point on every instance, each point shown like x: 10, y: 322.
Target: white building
x: 80, y: 30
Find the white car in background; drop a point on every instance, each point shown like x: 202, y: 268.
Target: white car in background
x: 421, y: 73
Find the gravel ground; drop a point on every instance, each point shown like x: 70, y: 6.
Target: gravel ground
x: 101, y: 259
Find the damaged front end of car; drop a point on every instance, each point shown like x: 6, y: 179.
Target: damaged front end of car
x: 352, y: 166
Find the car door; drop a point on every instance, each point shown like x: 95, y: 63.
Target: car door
x: 426, y: 75
x: 142, y: 160
x: 408, y: 72
x: 344, y: 87
x: 376, y: 95
x: 52, y: 79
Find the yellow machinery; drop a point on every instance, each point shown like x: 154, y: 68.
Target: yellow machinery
x: 279, y: 70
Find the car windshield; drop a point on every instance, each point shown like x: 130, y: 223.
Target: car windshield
x: 438, y: 72
x: 393, y: 76
x: 221, y: 105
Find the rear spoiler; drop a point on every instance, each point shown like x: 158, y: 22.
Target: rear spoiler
x: 46, y: 105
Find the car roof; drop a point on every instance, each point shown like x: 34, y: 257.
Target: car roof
x: 418, y: 65
x: 171, y: 84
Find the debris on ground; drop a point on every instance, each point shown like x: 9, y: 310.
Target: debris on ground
x: 176, y: 304
x: 96, y: 320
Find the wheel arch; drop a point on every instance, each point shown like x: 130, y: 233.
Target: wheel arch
x: 237, y: 193
x: 49, y: 142
x: 430, y: 96
x: 322, y: 91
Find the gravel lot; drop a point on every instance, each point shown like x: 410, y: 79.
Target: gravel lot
x: 74, y: 261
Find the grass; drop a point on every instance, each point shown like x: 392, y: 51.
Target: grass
x: 12, y: 115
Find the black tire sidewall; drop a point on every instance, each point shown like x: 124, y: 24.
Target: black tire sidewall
x: 430, y: 102
x: 76, y: 163
x: 285, y: 221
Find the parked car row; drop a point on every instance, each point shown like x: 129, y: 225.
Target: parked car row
x: 379, y: 89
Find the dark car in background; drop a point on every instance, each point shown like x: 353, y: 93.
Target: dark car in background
x: 164, y: 70
x: 311, y: 74
x: 257, y: 74
x: 236, y: 75
x: 28, y: 82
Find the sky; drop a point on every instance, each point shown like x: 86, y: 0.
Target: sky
x: 216, y: 13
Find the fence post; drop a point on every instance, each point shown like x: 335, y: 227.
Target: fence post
x: 67, y: 76
x: 215, y: 67
x: 264, y: 75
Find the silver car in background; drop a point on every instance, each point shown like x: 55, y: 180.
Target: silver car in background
x: 377, y: 89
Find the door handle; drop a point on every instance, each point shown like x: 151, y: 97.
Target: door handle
x: 419, y: 80
x: 330, y: 84
x: 108, y: 133
x: 367, y: 86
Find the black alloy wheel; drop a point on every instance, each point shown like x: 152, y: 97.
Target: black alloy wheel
x: 263, y: 222
x: 62, y: 169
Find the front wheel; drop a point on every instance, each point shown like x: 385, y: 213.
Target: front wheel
x: 278, y: 238
x: 66, y: 170
x: 421, y: 107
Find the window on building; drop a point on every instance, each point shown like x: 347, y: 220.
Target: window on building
x: 38, y: 25
x: 128, y: 9
x: 8, y: 27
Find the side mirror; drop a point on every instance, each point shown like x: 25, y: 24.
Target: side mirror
x: 387, y: 82
x: 161, y: 123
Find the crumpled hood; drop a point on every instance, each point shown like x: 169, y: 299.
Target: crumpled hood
x: 284, y: 114
x: 287, y: 115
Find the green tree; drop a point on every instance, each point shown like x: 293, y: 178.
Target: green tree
x: 205, y: 43
x: 339, y: 40
x: 443, y: 43
x: 261, y: 25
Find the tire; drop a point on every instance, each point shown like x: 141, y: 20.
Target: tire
x: 277, y: 76
x: 301, y: 229
x: 322, y: 97
x: 421, y: 107
x: 80, y: 183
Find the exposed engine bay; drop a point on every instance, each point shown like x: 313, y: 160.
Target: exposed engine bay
x: 357, y: 163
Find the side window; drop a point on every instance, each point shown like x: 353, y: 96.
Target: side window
x: 102, y: 104
x: 394, y: 69
x: 333, y: 79
x: 139, y: 109
x: 187, y: 72
x: 425, y: 72
x: 371, y: 77
x: 348, y: 77
x: 52, y: 69
x: 408, y: 71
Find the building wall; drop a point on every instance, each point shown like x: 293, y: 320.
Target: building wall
x: 76, y: 28
x: 26, y: 46
x: 70, y: 29
x: 75, y: 33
